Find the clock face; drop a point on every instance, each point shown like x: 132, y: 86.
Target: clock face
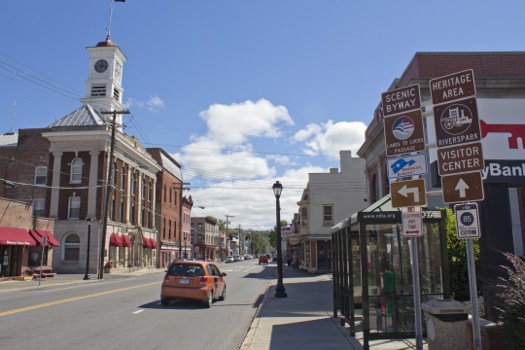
x: 101, y: 66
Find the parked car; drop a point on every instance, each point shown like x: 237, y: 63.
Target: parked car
x: 248, y: 257
x: 237, y: 258
x: 229, y: 259
x: 263, y: 259
x: 241, y: 258
x: 198, y: 280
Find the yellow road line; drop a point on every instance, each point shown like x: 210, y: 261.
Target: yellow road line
x: 62, y: 301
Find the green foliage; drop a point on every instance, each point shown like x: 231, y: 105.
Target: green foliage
x: 457, y: 260
x: 512, y: 291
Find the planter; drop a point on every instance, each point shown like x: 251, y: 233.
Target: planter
x: 107, y: 269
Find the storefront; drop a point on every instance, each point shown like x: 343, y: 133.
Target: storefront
x: 15, y: 246
x: 372, y: 269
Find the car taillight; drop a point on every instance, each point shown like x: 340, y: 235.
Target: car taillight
x: 203, y: 280
x: 166, y: 278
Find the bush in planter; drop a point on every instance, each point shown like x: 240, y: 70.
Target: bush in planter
x: 511, y: 290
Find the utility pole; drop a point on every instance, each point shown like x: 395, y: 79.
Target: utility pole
x: 183, y: 186
x: 109, y: 183
x: 227, y: 222
x: 240, y: 239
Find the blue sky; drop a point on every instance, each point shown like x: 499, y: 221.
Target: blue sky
x: 242, y: 93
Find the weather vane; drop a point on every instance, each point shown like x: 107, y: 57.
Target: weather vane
x: 111, y: 2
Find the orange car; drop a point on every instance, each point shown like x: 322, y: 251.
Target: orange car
x: 198, y: 280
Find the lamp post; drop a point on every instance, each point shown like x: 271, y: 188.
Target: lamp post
x: 185, y: 240
x: 86, y: 276
x: 280, y: 291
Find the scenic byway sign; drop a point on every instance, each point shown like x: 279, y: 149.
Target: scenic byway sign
x: 401, y: 100
x: 409, y: 193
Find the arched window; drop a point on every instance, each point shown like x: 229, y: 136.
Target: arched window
x: 71, y: 247
x: 76, y: 171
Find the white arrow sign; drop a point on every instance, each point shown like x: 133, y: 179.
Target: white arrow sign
x: 405, y: 190
x: 462, y: 187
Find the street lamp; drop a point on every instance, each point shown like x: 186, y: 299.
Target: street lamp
x: 86, y: 276
x: 280, y: 291
x: 185, y: 241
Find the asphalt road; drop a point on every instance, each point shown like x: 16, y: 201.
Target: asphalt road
x: 125, y: 313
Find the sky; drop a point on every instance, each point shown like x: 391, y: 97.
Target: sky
x: 242, y: 93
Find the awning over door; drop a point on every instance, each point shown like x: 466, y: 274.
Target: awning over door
x: 126, y: 242
x: 50, y: 241
x: 15, y: 236
x: 114, y: 240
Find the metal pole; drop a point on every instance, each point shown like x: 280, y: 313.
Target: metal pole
x: 86, y: 276
x: 476, y: 333
x: 280, y: 291
x: 44, y: 240
x: 417, y: 296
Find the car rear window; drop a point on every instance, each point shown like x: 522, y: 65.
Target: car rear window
x: 186, y: 270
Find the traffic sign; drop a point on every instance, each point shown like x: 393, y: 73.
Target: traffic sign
x: 467, y: 221
x: 408, y: 193
x: 462, y: 187
x: 453, y: 87
x: 401, y: 100
x: 407, y: 166
x: 457, y: 123
x: 404, y: 133
x: 460, y: 159
x: 412, y: 221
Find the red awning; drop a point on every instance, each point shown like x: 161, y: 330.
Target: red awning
x: 153, y: 243
x: 114, y: 240
x: 51, y: 240
x: 146, y: 243
x: 15, y: 236
x: 126, y: 242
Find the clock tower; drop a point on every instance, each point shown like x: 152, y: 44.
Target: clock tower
x: 104, y: 84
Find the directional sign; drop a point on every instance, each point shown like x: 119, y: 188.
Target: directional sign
x: 462, y: 187
x: 401, y: 100
x: 453, y: 87
x: 467, y: 221
x: 404, y: 133
x: 460, y: 159
x: 408, y: 193
x: 457, y: 123
x: 412, y: 221
x: 407, y: 166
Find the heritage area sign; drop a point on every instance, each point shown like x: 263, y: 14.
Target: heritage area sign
x: 453, y: 87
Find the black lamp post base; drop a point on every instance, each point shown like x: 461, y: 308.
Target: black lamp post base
x: 280, y: 291
x: 86, y: 277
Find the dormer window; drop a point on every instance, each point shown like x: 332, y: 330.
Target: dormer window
x: 76, y: 171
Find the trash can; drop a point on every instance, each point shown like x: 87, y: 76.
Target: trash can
x: 446, y: 324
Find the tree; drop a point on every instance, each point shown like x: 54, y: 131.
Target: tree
x: 272, y: 235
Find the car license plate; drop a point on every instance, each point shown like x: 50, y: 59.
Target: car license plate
x: 184, y: 281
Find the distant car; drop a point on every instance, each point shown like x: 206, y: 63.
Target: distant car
x: 263, y: 259
x: 229, y: 259
x: 236, y: 258
x: 241, y: 258
x: 198, y: 280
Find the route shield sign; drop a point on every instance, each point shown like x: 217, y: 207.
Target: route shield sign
x: 462, y: 187
x: 467, y: 221
x: 409, y: 193
x: 457, y: 123
x: 404, y: 133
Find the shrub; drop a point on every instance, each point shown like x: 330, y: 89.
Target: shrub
x: 511, y: 291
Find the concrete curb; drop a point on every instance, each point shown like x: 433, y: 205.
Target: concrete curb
x: 255, y: 323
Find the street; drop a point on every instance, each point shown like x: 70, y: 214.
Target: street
x: 125, y: 312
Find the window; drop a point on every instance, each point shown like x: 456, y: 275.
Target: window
x: 39, y: 207
x: 164, y: 198
x: 304, y: 216
x: 98, y: 90
x: 76, y: 171
x: 328, y: 219
x: 148, y: 192
x: 74, y: 208
x: 72, y: 247
x: 116, y: 94
x: 122, y: 179
x: 40, y: 175
x: 132, y: 183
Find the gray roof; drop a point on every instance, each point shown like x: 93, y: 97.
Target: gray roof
x: 85, y: 115
x: 8, y: 139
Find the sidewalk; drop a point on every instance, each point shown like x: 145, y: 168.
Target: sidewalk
x: 304, y: 319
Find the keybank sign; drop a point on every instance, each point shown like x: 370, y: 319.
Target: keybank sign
x: 504, y: 171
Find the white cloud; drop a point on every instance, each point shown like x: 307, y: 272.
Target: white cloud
x: 154, y: 104
x: 329, y: 138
